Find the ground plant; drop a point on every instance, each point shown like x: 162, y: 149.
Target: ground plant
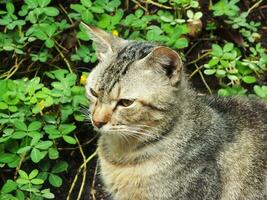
x: 47, y: 145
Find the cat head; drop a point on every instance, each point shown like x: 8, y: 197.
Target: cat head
x: 132, y: 86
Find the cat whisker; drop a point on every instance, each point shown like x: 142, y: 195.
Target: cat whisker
x: 138, y: 132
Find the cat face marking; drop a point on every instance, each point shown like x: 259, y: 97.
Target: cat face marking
x: 131, y: 83
x: 101, y: 115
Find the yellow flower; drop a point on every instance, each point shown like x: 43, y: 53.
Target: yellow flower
x: 83, y: 79
x: 115, y: 32
x: 41, y: 105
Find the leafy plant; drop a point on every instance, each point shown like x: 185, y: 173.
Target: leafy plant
x: 226, y: 7
x: 32, y: 132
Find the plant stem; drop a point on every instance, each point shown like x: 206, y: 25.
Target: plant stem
x: 199, y: 58
x: 77, y: 174
x: 203, y: 79
x: 84, y: 169
x: 254, y: 6
x: 63, y: 57
x: 157, y: 4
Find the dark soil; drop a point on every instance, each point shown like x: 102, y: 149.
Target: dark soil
x: 93, y: 186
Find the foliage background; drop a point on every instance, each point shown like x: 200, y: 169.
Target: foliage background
x: 45, y: 143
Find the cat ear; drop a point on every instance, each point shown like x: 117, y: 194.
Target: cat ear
x: 105, y: 42
x: 168, y: 60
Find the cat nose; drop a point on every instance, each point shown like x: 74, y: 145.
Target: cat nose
x: 99, y: 124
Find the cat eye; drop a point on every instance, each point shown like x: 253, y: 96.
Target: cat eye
x: 125, y: 102
x: 93, y: 93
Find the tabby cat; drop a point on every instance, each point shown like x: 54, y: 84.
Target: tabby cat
x: 159, y: 140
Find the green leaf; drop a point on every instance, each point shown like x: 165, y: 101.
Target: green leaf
x: 20, y: 195
x: 181, y: 43
x: 220, y: 73
x: 10, y: 7
x: 37, y: 181
x: 22, y: 181
x: 249, y: 79
x: 36, y: 155
x: 33, y: 174
x: 13, y: 108
x: 209, y: 71
x: 67, y: 128
x: 35, y: 139
x: 53, y: 153
x: 78, y: 8
x: 86, y: 3
x: 52, y: 130
x: 55, y: 180
x: 232, y: 77
x: 3, y: 106
x: 34, y: 126
x: 69, y: 139
x: 213, y: 62
x: 44, y: 145
x: 49, y: 43
x: 8, y: 187
x: 228, y: 47
x: 60, y: 167
x: 23, y: 174
x: 48, y: 195
x: 217, y: 50
x: 21, y: 125
x: 43, y: 3
x: 24, y: 149
x: 260, y: 91
x: 19, y: 134
x: 7, y: 157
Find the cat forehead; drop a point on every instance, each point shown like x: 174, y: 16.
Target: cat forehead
x: 120, y: 64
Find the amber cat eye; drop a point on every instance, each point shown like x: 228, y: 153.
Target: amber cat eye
x: 125, y: 102
x: 93, y: 93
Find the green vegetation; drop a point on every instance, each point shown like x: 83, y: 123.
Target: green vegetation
x: 43, y: 49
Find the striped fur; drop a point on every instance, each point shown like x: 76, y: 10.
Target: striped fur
x: 174, y: 144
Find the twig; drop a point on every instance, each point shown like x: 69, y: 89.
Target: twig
x: 203, y: 79
x: 19, y: 165
x: 157, y: 4
x: 84, y: 144
x: 139, y: 4
x: 254, y: 6
x: 64, y: 58
x: 92, y: 191
x: 13, y: 69
x: 195, y: 71
x: 77, y: 174
x: 65, y: 12
x: 199, y: 58
x: 84, y: 168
